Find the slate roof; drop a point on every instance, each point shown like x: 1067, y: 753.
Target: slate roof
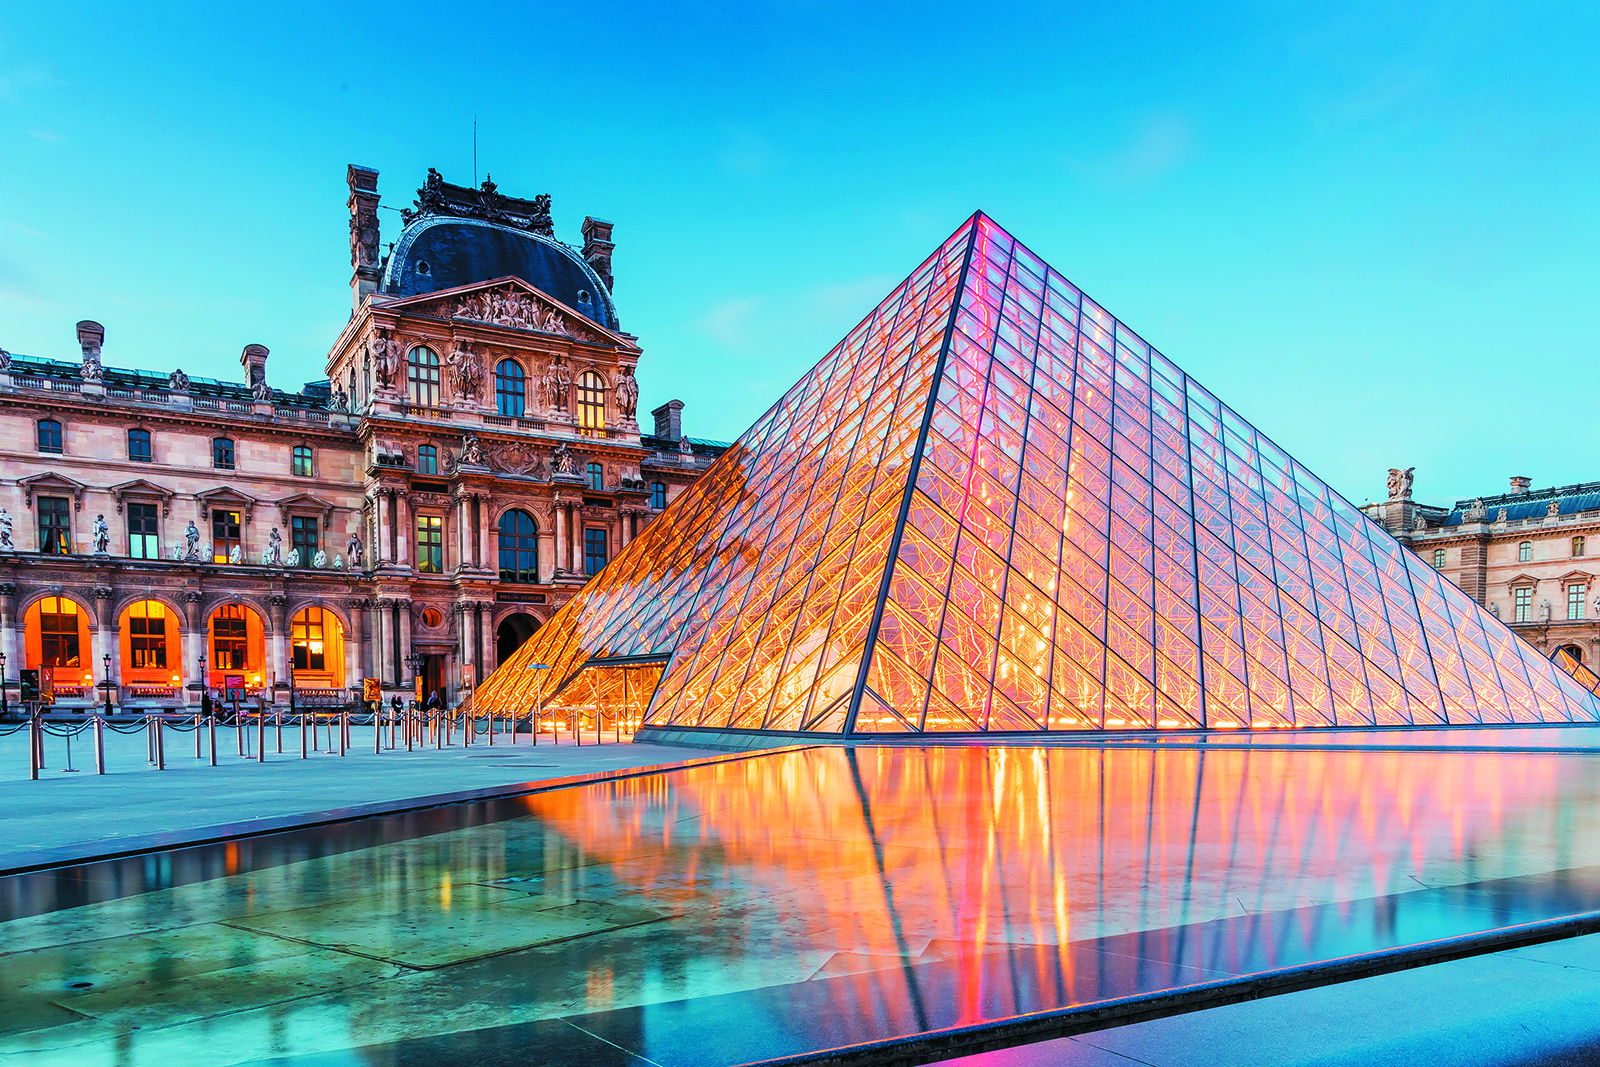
x: 1571, y: 499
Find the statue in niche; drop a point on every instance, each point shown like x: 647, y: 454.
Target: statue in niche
x: 101, y: 534
x: 178, y: 382
x: 471, y: 451
x: 293, y: 559
x: 628, y: 393
x: 236, y: 554
x: 191, y: 542
x: 6, y: 544
x: 352, y: 549
x: 565, y: 461
x: 556, y: 381
x: 466, y: 373
x: 320, y: 560
x: 272, y: 555
x: 385, y: 352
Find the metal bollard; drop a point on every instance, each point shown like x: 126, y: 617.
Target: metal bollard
x: 238, y: 732
x: 149, y: 741
x: 261, y: 736
x: 161, y: 743
x: 34, y: 744
x: 199, y: 721
x: 100, y: 744
x: 211, y: 731
x: 344, y: 723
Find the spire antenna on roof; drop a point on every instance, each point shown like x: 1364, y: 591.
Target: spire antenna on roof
x: 474, y: 150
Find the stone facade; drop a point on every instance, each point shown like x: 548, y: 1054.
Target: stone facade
x: 472, y: 457
x: 1528, y: 555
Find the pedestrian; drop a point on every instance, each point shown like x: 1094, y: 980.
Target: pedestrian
x: 205, y: 703
x: 434, y: 703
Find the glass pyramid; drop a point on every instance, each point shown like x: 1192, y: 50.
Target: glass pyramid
x: 994, y: 508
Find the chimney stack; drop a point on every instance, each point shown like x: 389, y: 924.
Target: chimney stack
x: 1519, y: 484
x: 91, y: 335
x: 597, y: 247
x: 669, y: 420
x: 365, y: 259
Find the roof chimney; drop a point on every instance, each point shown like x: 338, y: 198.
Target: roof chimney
x: 91, y: 335
x: 597, y: 247
x: 1519, y: 484
x: 669, y: 420
x: 364, y: 258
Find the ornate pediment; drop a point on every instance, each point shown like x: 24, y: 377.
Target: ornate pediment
x: 139, y: 489
x: 511, y: 303
x: 50, y: 484
x: 227, y: 497
x: 304, y: 502
x: 514, y: 457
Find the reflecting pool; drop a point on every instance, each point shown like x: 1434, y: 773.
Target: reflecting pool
x: 781, y: 903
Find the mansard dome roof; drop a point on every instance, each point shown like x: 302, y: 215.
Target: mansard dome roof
x: 441, y: 252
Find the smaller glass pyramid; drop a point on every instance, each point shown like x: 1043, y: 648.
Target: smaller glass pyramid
x: 994, y: 508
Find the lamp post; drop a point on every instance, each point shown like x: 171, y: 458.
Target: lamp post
x: 5, y: 708
x: 107, y: 682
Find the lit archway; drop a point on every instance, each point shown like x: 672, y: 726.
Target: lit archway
x: 316, y: 649
x: 1574, y: 651
x: 236, y: 650
x: 151, y: 648
x: 513, y: 631
x: 56, y: 635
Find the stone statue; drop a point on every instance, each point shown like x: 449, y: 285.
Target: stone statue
x: 556, y: 381
x: 684, y: 447
x: 628, y: 393
x: 102, y: 536
x: 320, y: 560
x: 471, y: 450
x: 1494, y: 609
x: 293, y: 559
x: 1502, y: 516
x: 261, y: 391
x: 5, y: 361
x: 340, y: 401
x: 236, y: 554
x: 178, y: 382
x: 1400, y: 483
x: 1544, y: 610
x: 191, y: 542
x: 1553, y: 509
x: 338, y: 562
x: 6, y: 544
x: 385, y: 359
x: 466, y: 373
x: 353, y: 549
x: 565, y: 461
x: 93, y: 373
x: 272, y: 555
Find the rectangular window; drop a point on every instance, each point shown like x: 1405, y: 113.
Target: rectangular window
x: 144, y: 539
x: 427, y: 460
x: 1522, y: 609
x: 594, y: 551
x: 1525, y: 552
x: 658, y: 495
x: 224, y: 535
x: 147, y: 634
x: 49, y: 435
x: 139, y: 445
x: 303, y: 535
x: 229, y: 638
x: 222, y: 453
x: 58, y: 631
x: 55, y: 525
x: 1577, y: 546
x: 1438, y: 557
x: 430, y: 544
x: 1575, y: 593
x: 300, y: 461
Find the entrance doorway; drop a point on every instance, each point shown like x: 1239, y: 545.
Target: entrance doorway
x: 432, y: 675
x: 512, y: 633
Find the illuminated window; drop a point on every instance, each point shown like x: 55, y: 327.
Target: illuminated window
x: 427, y: 459
x: 594, y: 551
x: 300, y: 461
x: 139, y: 445
x: 306, y: 640
x: 58, y: 632
x: 147, y: 634
x: 1577, y: 546
x: 49, y: 435
x: 1438, y: 557
x: 55, y: 526
x: 658, y: 495
x: 510, y: 388
x: 591, y: 401
x: 432, y: 618
x: 430, y: 544
x: 144, y: 539
x: 1525, y: 552
x: 519, y: 547
x: 597, y: 476
x: 1575, y: 591
x: 224, y: 535
x: 1522, y: 605
x: 222, y: 453
x: 422, y: 377
x: 303, y: 535
x: 229, y: 638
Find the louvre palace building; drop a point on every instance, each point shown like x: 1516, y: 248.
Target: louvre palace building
x: 472, y: 456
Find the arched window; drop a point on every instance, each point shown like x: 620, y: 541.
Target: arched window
x: 1577, y: 546
x: 49, y: 436
x: 658, y: 495
x: 300, y: 461
x: 147, y: 634
x: 139, y: 445
x: 597, y: 476
x: 510, y: 388
x: 308, y: 640
x: 519, y: 547
x: 422, y: 376
x: 222, y: 453
x: 58, y: 632
x: 591, y: 401
x: 1525, y: 552
x: 1574, y: 651
x: 427, y: 459
x: 230, y: 640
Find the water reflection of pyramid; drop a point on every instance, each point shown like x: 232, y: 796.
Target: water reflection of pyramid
x: 993, y: 507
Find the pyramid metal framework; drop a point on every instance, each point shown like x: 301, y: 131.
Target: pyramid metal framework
x: 994, y: 508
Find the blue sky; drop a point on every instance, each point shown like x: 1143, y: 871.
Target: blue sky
x: 1372, y: 231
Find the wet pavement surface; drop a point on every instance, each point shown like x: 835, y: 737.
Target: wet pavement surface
x: 783, y: 903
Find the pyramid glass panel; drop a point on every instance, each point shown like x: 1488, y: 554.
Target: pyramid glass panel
x: 995, y: 508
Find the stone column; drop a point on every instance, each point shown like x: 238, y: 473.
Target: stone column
x: 105, y: 640
x: 486, y: 660
x: 278, y: 608
x: 355, y: 643
x: 8, y: 642
x: 558, y: 562
x: 403, y: 610
x: 402, y: 527
x: 381, y: 551
x: 463, y: 533
x: 194, y: 646
x: 480, y: 531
